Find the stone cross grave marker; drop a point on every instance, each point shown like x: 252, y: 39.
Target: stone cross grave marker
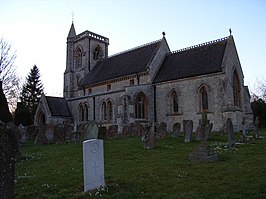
x: 93, y: 164
x: 230, y: 133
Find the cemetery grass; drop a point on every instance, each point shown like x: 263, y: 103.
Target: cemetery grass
x: 56, y: 170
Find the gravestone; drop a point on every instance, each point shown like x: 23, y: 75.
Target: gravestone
x: 203, y: 153
x: 256, y: 132
x: 149, y: 136
x: 127, y: 131
x: 102, y: 132
x: 92, y: 131
x: 112, y: 132
x: 188, y: 128
x: 41, y: 138
x: 93, y: 164
x: 176, y: 130
x: 24, y: 133
x: 230, y: 133
x: 49, y: 131
x: 161, y: 130
x: 60, y: 133
x: 243, y: 138
x: 9, y: 148
x: 198, y: 131
x: 137, y: 129
x: 208, y: 130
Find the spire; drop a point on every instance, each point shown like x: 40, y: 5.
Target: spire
x: 72, y: 32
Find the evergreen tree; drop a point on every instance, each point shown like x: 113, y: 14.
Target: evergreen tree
x: 31, y: 91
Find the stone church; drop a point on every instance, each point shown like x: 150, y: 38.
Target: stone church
x: 149, y: 83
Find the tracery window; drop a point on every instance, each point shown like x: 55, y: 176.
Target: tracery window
x: 78, y: 58
x: 109, y: 111
x: 81, y: 113
x: 203, y: 99
x: 97, y: 53
x: 236, y: 90
x: 174, y: 102
x: 141, y: 106
x: 104, y: 113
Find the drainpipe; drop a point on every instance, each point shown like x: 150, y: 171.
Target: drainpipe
x: 93, y: 108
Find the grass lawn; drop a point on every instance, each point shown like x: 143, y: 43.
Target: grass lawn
x: 56, y: 171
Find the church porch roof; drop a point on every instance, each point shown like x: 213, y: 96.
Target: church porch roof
x: 58, y: 106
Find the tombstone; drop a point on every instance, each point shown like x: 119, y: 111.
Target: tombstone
x: 230, y: 133
x: 243, y: 138
x: 188, y: 128
x: 9, y: 148
x: 23, y: 133
x: 203, y: 153
x: 49, y: 131
x: 112, y: 132
x: 92, y: 131
x: 198, y: 131
x: 256, y: 132
x: 41, y: 138
x: 136, y: 129
x: 149, y: 136
x: 102, y: 132
x: 176, y: 130
x: 32, y: 132
x: 93, y: 164
x: 161, y: 130
x: 208, y: 130
x: 59, y: 133
x: 127, y: 131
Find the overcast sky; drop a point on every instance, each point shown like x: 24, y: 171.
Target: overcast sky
x: 37, y: 30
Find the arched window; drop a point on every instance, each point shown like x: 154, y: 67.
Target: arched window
x: 97, y: 53
x: 78, y: 58
x: 203, y: 99
x: 86, y: 112
x: 104, y: 114
x: 109, y: 111
x: 81, y: 113
x: 174, y: 102
x: 141, y: 106
x: 236, y: 90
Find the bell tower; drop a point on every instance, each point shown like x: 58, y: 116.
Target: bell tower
x: 83, y: 52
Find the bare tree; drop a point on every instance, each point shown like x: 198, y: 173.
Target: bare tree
x: 11, y: 82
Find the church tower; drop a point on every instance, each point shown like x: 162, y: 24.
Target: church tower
x: 83, y: 52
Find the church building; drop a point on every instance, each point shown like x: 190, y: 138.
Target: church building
x: 149, y: 83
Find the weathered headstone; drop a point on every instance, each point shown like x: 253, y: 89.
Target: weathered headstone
x: 24, y: 133
x: 230, y: 133
x: 149, y: 136
x: 208, y: 130
x: 176, y: 130
x: 49, y: 131
x: 161, y: 130
x: 60, y: 133
x: 102, y: 132
x: 41, y: 138
x: 137, y: 129
x: 92, y: 131
x: 112, y: 132
x: 188, y: 128
x: 93, y: 164
x: 203, y: 153
x: 243, y: 138
x: 127, y: 131
x: 198, y: 131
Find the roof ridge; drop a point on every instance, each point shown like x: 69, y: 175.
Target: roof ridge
x: 200, y: 45
x: 137, y: 47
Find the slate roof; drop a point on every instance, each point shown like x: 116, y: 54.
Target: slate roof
x: 198, y: 60
x: 123, y: 64
x: 58, y: 106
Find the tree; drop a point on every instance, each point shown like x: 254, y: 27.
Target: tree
x: 5, y: 115
x: 258, y: 106
x: 31, y: 91
x: 11, y: 83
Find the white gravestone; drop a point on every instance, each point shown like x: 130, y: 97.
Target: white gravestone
x: 93, y: 164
